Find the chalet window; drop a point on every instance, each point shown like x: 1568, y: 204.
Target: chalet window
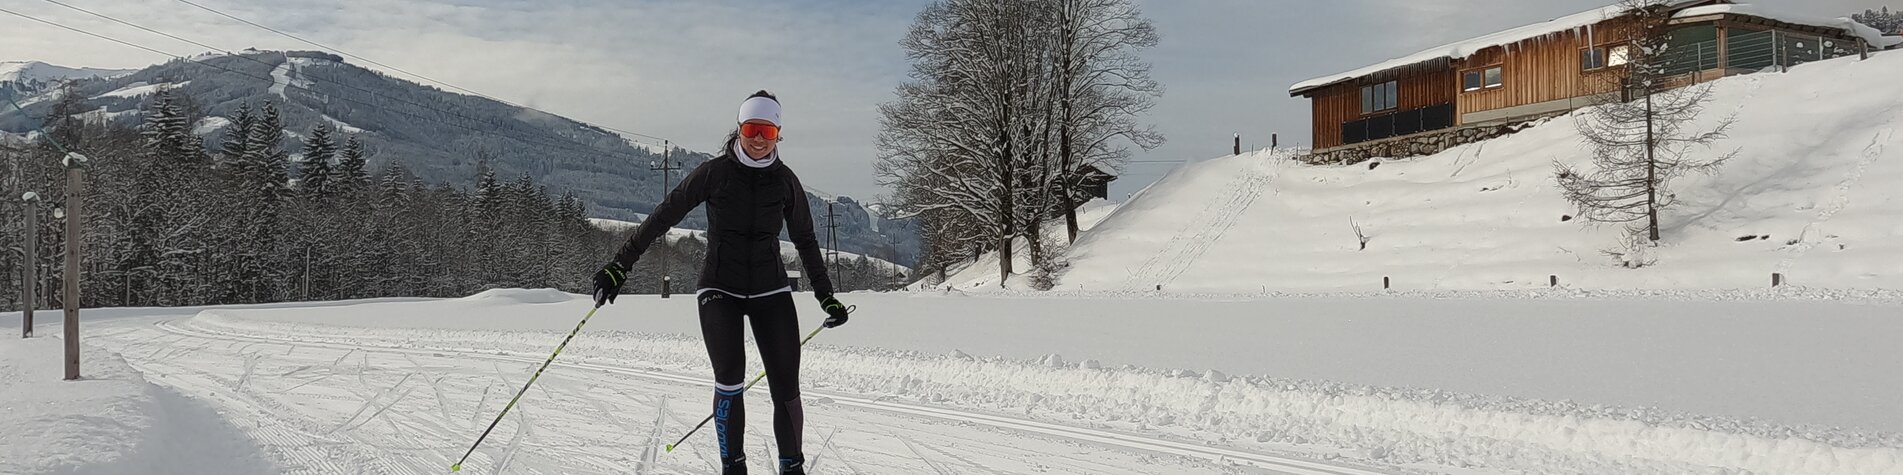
x: 1380, y: 97
x: 1619, y: 55
x: 1604, y: 57
x: 1478, y: 79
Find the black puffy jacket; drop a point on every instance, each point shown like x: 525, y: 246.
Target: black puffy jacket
x: 746, y: 208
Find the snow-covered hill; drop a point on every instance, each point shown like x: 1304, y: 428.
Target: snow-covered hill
x: 1815, y: 193
x: 30, y: 71
x: 983, y: 272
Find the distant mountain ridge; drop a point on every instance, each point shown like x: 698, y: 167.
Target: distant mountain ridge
x: 440, y: 136
x: 35, y: 71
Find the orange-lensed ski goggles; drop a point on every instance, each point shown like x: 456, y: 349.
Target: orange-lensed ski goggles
x: 765, y: 131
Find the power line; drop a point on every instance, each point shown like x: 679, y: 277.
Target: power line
x: 375, y: 62
x: 204, y: 63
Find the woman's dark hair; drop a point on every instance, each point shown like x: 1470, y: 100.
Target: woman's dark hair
x: 763, y: 93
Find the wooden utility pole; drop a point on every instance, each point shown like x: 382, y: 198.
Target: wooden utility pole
x: 31, y: 271
x: 666, y: 165
x: 75, y: 211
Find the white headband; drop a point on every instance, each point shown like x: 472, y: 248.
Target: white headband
x: 761, y: 108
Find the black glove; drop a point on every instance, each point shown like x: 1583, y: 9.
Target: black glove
x: 608, y: 283
x: 835, y: 312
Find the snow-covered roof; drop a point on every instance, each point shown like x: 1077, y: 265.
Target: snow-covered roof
x: 1466, y: 48
x: 1869, y: 35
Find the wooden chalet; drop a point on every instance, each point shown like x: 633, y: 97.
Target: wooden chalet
x: 1554, y: 67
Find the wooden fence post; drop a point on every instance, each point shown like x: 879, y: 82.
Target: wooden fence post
x: 75, y: 212
x: 31, y: 271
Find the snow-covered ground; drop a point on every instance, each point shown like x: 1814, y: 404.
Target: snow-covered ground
x: 1178, y: 341
x: 1682, y: 382
x: 982, y: 273
x: 140, y: 89
x: 111, y: 421
x: 1815, y: 193
x: 210, y: 125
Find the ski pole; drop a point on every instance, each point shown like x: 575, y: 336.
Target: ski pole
x: 756, y: 380
x: 458, y: 466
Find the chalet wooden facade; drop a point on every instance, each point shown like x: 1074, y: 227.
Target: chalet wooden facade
x: 1554, y: 67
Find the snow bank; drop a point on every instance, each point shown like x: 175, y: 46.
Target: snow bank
x: 1397, y: 426
x: 113, y: 421
x: 520, y: 296
x: 1815, y: 194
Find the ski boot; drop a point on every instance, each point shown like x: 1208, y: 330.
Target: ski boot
x: 793, y: 465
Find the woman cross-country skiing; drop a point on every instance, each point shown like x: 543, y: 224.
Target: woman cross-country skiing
x: 750, y: 195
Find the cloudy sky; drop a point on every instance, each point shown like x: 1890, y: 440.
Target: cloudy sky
x: 679, y: 68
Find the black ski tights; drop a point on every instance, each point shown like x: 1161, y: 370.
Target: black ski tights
x: 776, y: 331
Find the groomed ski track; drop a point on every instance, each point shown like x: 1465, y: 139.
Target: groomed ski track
x: 599, y: 423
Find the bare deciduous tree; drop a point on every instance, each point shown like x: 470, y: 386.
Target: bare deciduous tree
x: 1643, y: 137
x: 1010, y: 103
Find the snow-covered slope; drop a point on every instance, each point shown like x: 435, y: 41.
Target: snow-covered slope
x: 983, y: 272
x: 1815, y: 193
x: 26, y: 71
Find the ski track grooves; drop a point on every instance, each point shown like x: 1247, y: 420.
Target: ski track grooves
x: 1209, y: 225
x: 1294, y: 466
x: 1806, y: 242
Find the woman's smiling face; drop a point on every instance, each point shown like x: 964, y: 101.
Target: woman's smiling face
x: 758, y: 147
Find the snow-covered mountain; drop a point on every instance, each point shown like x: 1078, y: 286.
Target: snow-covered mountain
x: 30, y: 71
x: 1815, y: 194
x: 25, y: 79
x: 438, y: 135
